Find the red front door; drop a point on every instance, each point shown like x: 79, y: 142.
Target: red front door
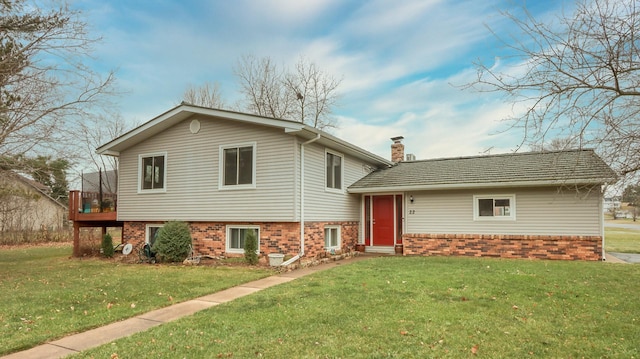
x: 383, y: 220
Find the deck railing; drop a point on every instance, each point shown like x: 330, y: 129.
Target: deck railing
x: 91, y: 202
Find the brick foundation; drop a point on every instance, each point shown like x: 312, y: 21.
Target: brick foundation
x: 314, y: 237
x: 209, y: 237
x: 504, y: 246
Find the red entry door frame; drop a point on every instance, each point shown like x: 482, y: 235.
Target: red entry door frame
x: 385, y: 220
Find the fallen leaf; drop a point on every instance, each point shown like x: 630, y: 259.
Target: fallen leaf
x: 133, y: 305
x: 404, y: 332
x: 109, y: 305
x: 515, y: 307
x: 474, y: 349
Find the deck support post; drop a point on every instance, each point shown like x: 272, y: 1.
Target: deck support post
x: 76, y: 239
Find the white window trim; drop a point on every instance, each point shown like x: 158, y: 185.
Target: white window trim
x: 164, y: 174
x: 512, y: 207
x: 146, y: 230
x: 221, y: 184
x: 338, y: 242
x: 227, y: 241
x: 329, y: 189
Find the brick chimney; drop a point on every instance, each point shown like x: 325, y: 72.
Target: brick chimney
x: 397, y: 149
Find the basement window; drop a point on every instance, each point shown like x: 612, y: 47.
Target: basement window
x: 237, y: 235
x: 332, y: 237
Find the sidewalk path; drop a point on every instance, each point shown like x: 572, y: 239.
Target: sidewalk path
x: 623, y: 257
x: 78, y: 342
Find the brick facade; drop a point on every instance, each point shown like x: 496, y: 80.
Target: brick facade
x: 314, y: 237
x: 504, y: 246
x: 209, y: 237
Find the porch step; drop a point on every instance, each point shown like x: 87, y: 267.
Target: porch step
x: 380, y: 249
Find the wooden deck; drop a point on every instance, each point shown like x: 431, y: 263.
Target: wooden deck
x: 84, y: 212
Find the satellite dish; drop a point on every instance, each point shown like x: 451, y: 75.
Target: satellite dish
x: 127, y: 249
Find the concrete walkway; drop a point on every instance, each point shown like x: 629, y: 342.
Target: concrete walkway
x: 78, y: 342
x: 613, y: 257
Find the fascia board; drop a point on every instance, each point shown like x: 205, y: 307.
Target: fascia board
x: 445, y: 186
x: 180, y: 113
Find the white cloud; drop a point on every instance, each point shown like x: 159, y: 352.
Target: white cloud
x: 436, y: 119
x: 398, y: 60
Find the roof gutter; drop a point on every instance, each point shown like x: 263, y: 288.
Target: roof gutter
x: 447, y: 186
x: 301, y: 253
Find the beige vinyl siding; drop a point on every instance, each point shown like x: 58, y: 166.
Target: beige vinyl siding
x: 330, y: 205
x: 540, y: 211
x: 192, y: 182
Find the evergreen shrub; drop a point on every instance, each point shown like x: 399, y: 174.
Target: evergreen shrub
x: 173, y: 242
x: 251, y: 248
x: 107, y: 246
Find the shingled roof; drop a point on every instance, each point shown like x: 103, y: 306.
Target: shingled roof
x: 573, y: 167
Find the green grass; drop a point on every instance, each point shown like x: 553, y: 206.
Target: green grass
x: 45, y: 294
x: 622, y: 240
x: 416, y: 307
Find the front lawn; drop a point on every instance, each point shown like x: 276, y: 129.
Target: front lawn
x: 416, y: 307
x: 45, y: 294
x: 622, y: 240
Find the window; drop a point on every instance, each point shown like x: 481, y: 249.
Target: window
x: 237, y: 166
x: 332, y: 237
x: 152, y: 172
x: 334, y: 170
x: 494, y: 207
x: 237, y: 235
x: 152, y: 233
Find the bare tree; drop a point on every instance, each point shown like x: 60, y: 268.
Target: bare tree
x: 316, y: 93
x: 207, y: 95
x: 44, y: 82
x: 95, y: 131
x: 306, y: 94
x: 579, y: 78
x: 556, y: 144
x: 262, y: 86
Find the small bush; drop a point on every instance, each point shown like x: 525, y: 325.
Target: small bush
x: 250, y: 248
x: 173, y: 242
x: 107, y: 246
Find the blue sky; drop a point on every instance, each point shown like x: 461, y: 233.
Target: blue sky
x: 401, y: 62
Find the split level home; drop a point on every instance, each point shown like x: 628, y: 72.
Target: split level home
x: 305, y: 192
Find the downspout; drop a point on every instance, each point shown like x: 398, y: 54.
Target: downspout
x: 295, y: 258
x: 602, y: 190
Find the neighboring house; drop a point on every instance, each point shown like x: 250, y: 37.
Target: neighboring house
x: 305, y: 192
x: 612, y: 204
x: 27, y: 205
